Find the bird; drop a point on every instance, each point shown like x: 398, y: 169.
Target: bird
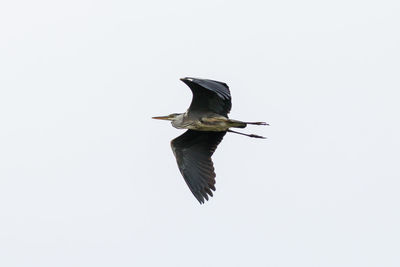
x: 207, y: 122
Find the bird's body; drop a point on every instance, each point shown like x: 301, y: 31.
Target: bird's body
x: 207, y: 123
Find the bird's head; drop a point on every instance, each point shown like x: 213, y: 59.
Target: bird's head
x: 170, y: 117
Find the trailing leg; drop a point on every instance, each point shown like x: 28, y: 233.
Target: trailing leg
x: 243, y: 124
x: 249, y: 135
x: 257, y: 123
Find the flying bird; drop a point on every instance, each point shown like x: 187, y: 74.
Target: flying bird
x: 207, y: 123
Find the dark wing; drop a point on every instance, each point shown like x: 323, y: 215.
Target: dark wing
x: 209, y: 96
x: 193, y: 151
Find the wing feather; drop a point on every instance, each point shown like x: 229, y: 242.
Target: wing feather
x: 193, y: 151
x: 209, y: 96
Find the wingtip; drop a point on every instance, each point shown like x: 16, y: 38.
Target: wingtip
x: 201, y: 201
x: 185, y: 79
x: 202, y: 197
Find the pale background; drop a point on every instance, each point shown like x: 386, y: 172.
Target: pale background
x: 88, y: 179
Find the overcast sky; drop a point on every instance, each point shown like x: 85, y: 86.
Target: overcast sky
x: 88, y: 179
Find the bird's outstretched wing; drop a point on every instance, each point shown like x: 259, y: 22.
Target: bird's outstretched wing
x: 209, y: 96
x: 193, y: 151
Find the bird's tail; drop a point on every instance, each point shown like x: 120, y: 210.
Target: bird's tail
x: 243, y: 124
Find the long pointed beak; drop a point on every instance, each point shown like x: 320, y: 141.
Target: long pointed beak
x: 161, y: 118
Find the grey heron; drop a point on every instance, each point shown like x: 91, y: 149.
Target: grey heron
x: 207, y: 123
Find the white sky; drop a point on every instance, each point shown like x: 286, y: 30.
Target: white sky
x: 88, y: 179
